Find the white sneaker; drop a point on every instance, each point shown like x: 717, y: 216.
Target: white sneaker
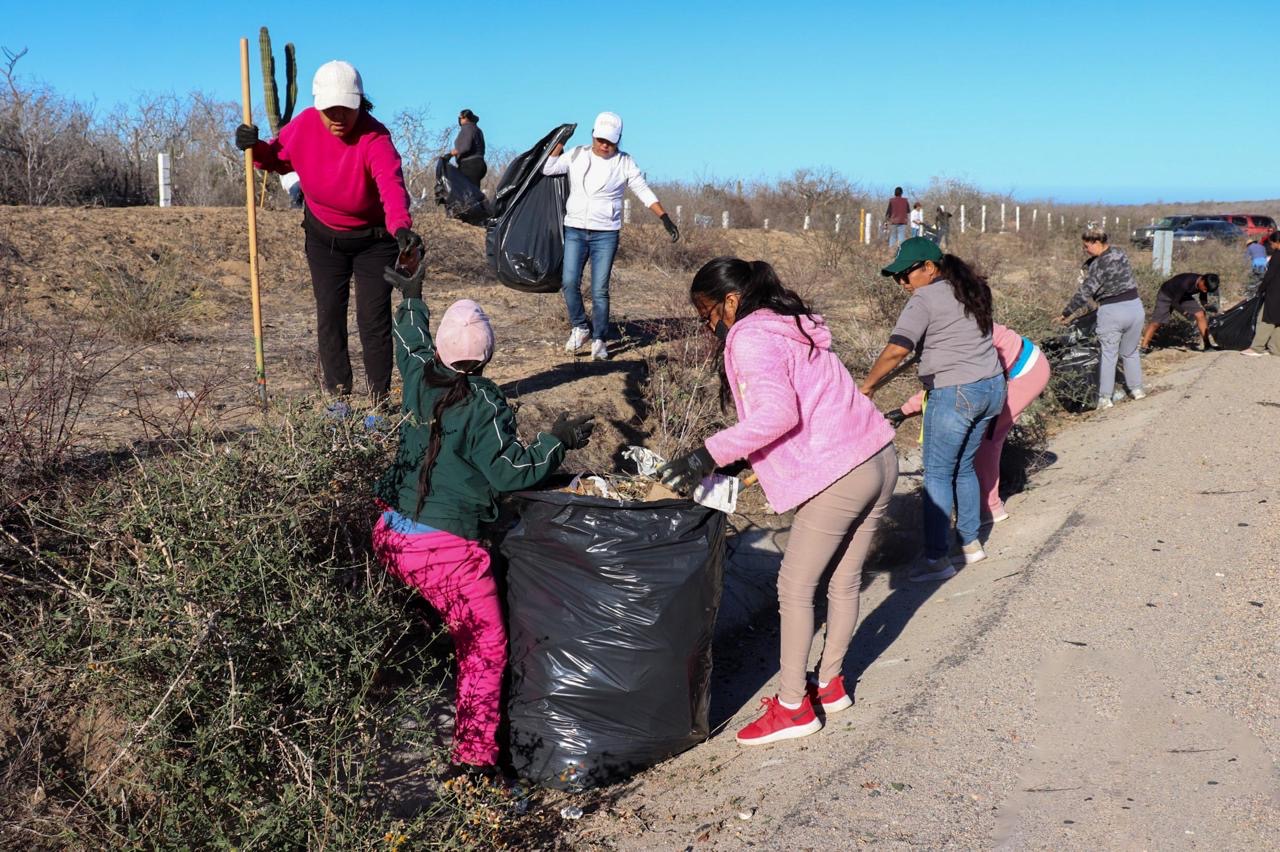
x: 1250, y: 353
x: 1104, y: 403
x: 973, y: 552
x: 577, y: 339
x: 989, y: 520
x: 1118, y: 395
x: 1139, y: 394
x: 599, y: 350
x: 925, y: 570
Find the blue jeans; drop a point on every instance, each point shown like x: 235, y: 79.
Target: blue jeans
x: 601, y: 246
x: 955, y: 420
x: 897, y: 233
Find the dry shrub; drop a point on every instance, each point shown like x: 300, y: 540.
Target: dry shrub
x: 647, y: 244
x: 146, y: 308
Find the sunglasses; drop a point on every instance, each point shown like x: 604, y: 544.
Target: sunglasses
x: 902, y: 276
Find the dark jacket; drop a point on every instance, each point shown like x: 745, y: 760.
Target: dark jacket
x: 1107, y: 278
x: 1270, y: 292
x: 480, y: 456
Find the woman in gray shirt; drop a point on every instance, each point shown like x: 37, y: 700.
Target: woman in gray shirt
x: 948, y: 320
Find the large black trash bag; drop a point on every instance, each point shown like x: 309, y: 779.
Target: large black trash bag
x: 611, y: 608
x: 1234, y: 328
x: 1075, y: 359
x: 461, y: 198
x: 525, y: 239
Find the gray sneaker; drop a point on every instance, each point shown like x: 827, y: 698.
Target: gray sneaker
x: 924, y: 570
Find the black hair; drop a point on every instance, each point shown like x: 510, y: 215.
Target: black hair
x: 1274, y: 236
x: 1211, y: 281
x: 1094, y: 237
x: 366, y: 105
x: 469, y: 116
x: 971, y: 290
x: 757, y: 286
x: 897, y: 190
x: 456, y: 384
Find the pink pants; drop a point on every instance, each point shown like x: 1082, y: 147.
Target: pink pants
x: 1022, y: 391
x: 453, y: 574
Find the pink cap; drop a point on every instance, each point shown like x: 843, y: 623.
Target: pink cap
x: 464, y: 334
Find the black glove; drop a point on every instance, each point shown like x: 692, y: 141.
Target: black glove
x: 671, y: 227
x: 246, y: 136
x: 407, y: 240
x: 573, y: 432
x: 895, y: 417
x: 684, y: 473
x: 1212, y: 309
x: 409, y: 285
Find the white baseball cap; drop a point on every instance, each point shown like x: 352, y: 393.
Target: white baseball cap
x: 337, y: 83
x: 608, y: 126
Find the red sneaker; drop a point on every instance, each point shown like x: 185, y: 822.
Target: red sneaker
x: 780, y: 723
x: 831, y: 697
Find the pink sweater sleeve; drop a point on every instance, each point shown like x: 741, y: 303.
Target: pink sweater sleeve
x: 767, y: 402
x: 384, y: 165
x: 269, y: 157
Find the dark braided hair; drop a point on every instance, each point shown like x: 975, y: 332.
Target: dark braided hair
x: 971, y: 290
x: 757, y: 286
x: 456, y: 386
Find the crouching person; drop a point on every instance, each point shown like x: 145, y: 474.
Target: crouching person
x: 1191, y: 294
x: 458, y: 452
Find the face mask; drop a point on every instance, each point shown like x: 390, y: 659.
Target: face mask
x: 722, y: 331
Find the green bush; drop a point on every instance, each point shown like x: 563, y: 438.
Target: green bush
x: 204, y: 653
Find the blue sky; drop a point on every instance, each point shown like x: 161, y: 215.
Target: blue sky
x: 1119, y: 102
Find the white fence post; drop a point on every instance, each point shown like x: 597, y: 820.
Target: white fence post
x: 724, y: 219
x: 1035, y: 213
x: 680, y: 214
x: 837, y: 223
x: 962, y: 218
x: 766, y: 224
x: 626, y: 211
x: 867, y: 240
x: 1017, y: 218
x: 166, y: 185
x: 806, y: 221
x: 1001, y: 215
x: 984, y: 218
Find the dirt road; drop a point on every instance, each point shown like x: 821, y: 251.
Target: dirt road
x: 1107, y: 679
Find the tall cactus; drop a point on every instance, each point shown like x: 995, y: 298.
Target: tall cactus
x: 269, y: 90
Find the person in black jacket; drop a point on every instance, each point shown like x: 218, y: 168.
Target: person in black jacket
x: 1267, y: 337
x: 1191, y: 293
x: 468, y: 148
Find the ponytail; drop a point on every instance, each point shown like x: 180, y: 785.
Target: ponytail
x: 971, y: 291
x: 457, y: 389
x: 757, y: 286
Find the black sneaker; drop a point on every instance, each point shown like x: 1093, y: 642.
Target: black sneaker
x: 1145, y: 350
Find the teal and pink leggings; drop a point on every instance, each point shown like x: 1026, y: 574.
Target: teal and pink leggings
x: 453, y: 574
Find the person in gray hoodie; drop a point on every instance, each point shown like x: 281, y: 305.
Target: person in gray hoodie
x: 1107, y: 280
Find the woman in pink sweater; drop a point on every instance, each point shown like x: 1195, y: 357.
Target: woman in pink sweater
x: 819, y: 447
x: 356, y: 220
x: 1028, y: 373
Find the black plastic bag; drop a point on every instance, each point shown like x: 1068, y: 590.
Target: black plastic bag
x: 461, y: 198
x: 1075, y: 359
x: 611, y: 609
x: 525, y: 239
x: 1234, y: 328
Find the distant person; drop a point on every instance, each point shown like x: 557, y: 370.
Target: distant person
x: 1026, y: 371
x: 943, y: 220
x: 356, y: 219
x: 599, y: 175
x: 896, y: 217
x: 1191, y: 293
x: 948, y: 320
x: 1107, y: 279
x: 458, y: 453
x: 468, y: 147
x: 819, y: 447
x: 1266, y: 337
x: 1257, y: 252
x: 917, y: 220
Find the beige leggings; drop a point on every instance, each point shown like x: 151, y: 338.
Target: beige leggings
x: 838, y: 524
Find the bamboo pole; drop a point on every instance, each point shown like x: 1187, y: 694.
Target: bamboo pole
x: 251, y: 210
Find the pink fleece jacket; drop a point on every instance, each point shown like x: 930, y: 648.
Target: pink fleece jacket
x: 1008, y: 345
x: 350, y: 184
x: 802, y: 422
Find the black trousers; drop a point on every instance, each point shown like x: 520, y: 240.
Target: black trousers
x: 333, y: 261
x: 474, y: 168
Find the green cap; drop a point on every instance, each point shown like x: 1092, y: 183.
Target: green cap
x: 913, y: 251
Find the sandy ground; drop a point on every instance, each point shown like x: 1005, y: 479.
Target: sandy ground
x: 1106, y: 679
